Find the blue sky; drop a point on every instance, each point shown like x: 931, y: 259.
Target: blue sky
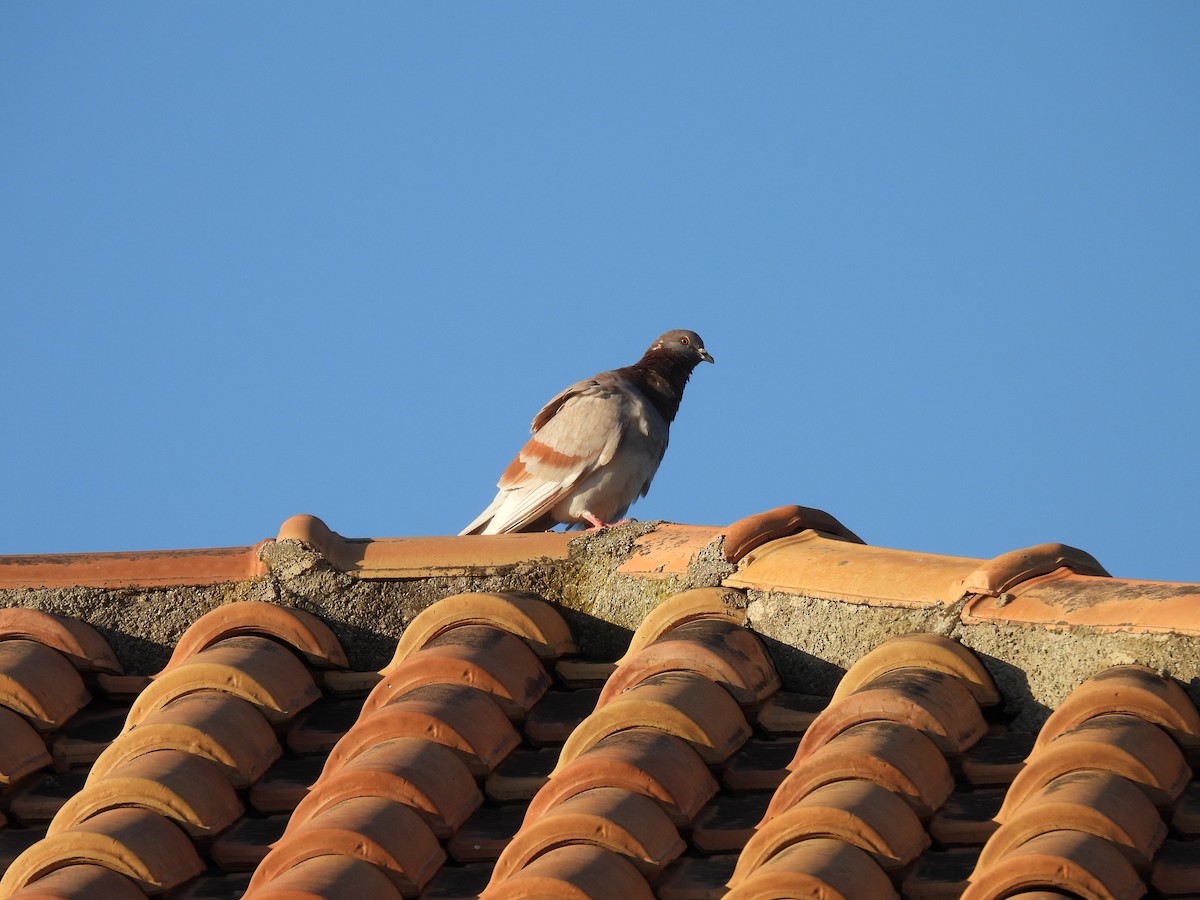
x: 263, y: 259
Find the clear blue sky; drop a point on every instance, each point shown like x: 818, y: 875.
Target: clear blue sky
x: 269, y: 258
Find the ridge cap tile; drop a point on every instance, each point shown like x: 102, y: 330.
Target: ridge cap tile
x: 811, y: 565
x: 422, y: 557
x: 132, y: 568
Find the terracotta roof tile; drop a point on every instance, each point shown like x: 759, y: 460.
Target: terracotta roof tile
x: 525, y: 615
x: 936, y: 704
x: 1176, y: 871
x: 1006, y: 571
x: 255, y: 669
x: 389, y: 835
x: 1123, y: 745
x: 22, y: 751
x: 753, y: 531
x: 1063, y: 599
x: 79, y: 642
x: 618, y: 820
x: 303, y: 631
x: 810, y: 565
x: 934, y: 652
x: 136, y: 843
x: 80, y: 881
x: 818, y: 867
x: 213, y: 725
x: 760, y: 765
x: 721, y: 651
x: 891, y: 754
x: 460, y: 717
x: 728, y: 822
x: 574, y: 872
x: 425, y: 775
x: 40, y: 684
x: 330, y: 876
x: 421, y: 557
x: 668, y: 551
x: 189, y: 790
x: 860, y: 813
x: 147, y: 568
x: 1133, y: 690
x: 1071, y: 861
x: 642, y: 760
x: 700, y: 604
x: 480, y: 656
x: 686, y: 705
x: 1096, y: 802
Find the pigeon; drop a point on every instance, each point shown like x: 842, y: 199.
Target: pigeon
x: 596, y: 445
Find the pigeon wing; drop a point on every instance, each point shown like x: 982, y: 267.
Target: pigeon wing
x: 577, y: 432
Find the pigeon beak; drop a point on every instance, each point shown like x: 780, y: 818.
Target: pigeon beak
x: 706, y: 356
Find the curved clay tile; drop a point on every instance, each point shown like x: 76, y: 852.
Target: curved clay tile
x: 256, y: 669
x: 80, y: 882
x: 209, y: 724
x: 894, y: 756
x: 329, y: 876
x: 686, y: 705
x: 818, y: 867
x: 643, y: 760
x: 136, y: 843
x: 1134, y: 690
x: 1124, y: 745
x: 462, y: 718
x: 573, y: 872
x: 618, y: 820
x: 79, y: 642
x: 389, y: 835
x: 1088, y: 867
x: 422, y: 557
x: 39, y: 684
x: 22, y: 751
x: 808, y: 564
x: 720, y: 604
x: 929, y: 651
x: 721, y: 651
x: 1099, y: 803
x: 856, y: 812
x: 189, y: 790
x: 301, y: 630
x: 480, y: 656
x: 746, y: 534
x: 1006, y: 571
x: 525, y: 615
x: 936, y: 704
x: 427, y: 776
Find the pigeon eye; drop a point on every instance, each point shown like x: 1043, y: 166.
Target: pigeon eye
x: 684, y: 341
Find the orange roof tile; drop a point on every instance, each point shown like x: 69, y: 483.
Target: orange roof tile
x: 149, y: 568
x: 40, y: 684
x: 79, y: 642
x: 1063, y: 599
x: 301, y: 630
x: 389, y: 835
x: 810, y: 565
x: 136, y: 843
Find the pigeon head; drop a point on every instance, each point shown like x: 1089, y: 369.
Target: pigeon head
x: 682, y: 346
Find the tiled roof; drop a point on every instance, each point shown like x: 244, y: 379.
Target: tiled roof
x: 772, y: 709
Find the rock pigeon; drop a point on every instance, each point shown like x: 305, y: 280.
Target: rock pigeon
x: 597, y: 445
